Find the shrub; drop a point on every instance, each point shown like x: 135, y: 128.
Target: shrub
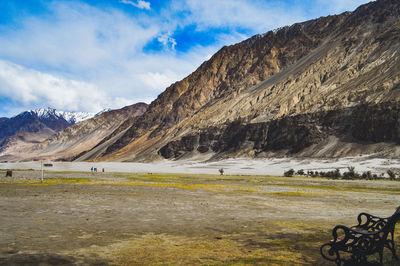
x: 289, y: 173
x: 300, y: 172
x: 392, y: 174
x: 221, y: 171
x: 351, y: 173
x: 337, y: 173
x: 366, y: 175
x: 332, y: 174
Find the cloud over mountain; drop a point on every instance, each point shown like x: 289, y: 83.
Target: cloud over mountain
x: 122, y: 52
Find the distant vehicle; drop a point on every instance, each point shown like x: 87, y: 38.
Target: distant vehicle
x: 48, y: 165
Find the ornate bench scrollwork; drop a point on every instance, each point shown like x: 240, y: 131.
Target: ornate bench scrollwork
x: 371, y: 235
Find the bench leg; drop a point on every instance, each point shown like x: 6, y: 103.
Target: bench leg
x: 394, y: 253
x: 390, y: 245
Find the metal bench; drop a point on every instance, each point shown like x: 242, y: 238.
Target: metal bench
x: 371, y: 235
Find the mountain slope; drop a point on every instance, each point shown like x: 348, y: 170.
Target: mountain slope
x: 28, y: 128
x: 78, y: 138
x: 331, y: 63
x: 37, y: 120
x: 28, y: 122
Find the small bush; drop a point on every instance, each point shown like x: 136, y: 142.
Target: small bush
x: 337, y: 173
x: 392, y: 174
x: 366, y: 175
x: 351, y: 173
x: 289, y: 173
x: 221, y: 171
x: 300, y: 172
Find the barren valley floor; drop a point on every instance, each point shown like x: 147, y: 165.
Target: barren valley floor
x: 79, y: 218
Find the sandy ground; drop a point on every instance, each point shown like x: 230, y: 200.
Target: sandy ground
x: 84, y: 219
x: 274, y: 166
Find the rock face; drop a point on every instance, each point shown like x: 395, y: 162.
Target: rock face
x: 280, y: 91
x: 39, y: 121
x: 73, y: 140
x: 293, y: 134
x: 28, y: 122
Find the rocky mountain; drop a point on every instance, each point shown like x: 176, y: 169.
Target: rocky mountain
x: 325, y: 87
x: 71, y: 117
x: 30, y: 122
x: 39, y: 119
x: 34, y: 126
x: 71, y: 141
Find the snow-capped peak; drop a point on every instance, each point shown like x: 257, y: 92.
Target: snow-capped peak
x: 103, y: 111
x: 70, y: 117
x: 75, y: 117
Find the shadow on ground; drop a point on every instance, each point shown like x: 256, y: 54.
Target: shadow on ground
x: 47, y: 259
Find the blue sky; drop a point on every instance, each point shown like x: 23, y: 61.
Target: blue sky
x: 89, y: 55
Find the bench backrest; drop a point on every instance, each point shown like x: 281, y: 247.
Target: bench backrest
x: 389, y: 227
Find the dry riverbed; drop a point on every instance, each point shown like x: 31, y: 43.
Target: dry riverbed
x: 76, y: 218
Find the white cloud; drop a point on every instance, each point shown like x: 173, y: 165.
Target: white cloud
x: 336, y: 6
x: 76, y: 37
x: 158, y: 80
x: 99, y: 51
x: 139, y: 4
x: 167, y: 40
x: 257, y: 15
x: 76, y: 51
x: 30, y: 88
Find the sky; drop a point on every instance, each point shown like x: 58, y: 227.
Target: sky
x: 93, y: 54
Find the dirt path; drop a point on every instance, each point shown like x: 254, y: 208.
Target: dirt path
x: 80, y: 219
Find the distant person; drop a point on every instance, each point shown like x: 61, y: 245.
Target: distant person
x: 103, y: 170
x: 91, y: 170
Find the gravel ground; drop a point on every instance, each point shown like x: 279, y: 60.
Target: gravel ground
x: 76, y: 218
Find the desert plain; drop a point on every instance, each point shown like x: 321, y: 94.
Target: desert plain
x: 147, y: 218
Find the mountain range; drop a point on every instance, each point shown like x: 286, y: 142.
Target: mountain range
x: 25, y: 136
x: 43, y: 119
x: 328, y: 87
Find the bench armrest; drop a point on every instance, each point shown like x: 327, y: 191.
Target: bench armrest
x: 350, y: 233
x: 368, y: 222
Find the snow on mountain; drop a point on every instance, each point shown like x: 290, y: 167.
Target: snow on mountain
x: 103, y: 111
x: 75, y: 117
x: 70, y: 117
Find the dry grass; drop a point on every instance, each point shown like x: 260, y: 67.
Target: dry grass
x: 298, y: 194
x: 293, y: 243
x: 55, y: 181
x: 282, y: 242
x: 173, y: 250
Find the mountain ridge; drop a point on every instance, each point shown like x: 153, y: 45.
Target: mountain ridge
x: 66, y: 143
x: 323, y: 64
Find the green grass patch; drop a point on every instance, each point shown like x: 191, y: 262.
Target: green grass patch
x: 65, y: 172
x: 189, y: 186
x: 55, y: 181
x: 339, y: 187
